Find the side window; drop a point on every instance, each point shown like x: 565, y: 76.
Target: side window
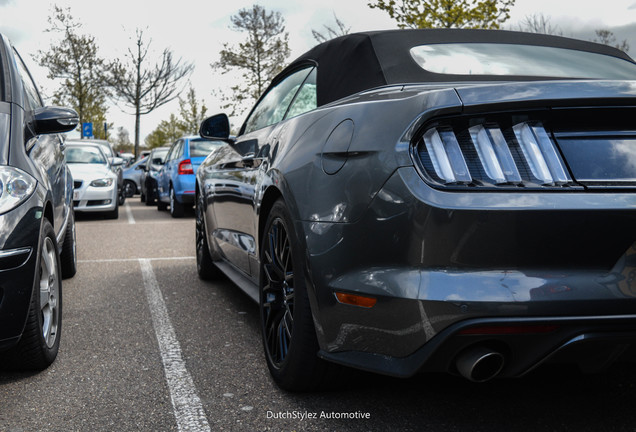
x: 31, y: 92
x: 172, y: 152
x: 273, y: 106
x: 306, y: 99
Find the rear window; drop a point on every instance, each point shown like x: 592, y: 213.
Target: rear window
x: 158, y: 156
x: 202, y: 148
x: 520, y: 60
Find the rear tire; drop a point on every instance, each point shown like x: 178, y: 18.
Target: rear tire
x: 176, y: 208
x: 130, y: 188
x: 150, y: 195
x: 40, y: 341
x: 287, y: 327
x: 205, y: 265
x: 68, y: 257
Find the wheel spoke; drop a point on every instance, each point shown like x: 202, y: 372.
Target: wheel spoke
x: 283, y: 340
x: 49, y: 288
x: 277, y: 292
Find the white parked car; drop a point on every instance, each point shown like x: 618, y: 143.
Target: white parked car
x: 95, y: 183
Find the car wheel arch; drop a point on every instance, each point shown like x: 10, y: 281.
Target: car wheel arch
x: 271, y: 195
x: 48, y: 214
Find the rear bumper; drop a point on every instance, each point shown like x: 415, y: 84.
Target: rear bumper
x: 184, y: 188
x: 591, y: 342
x: 436, y: 262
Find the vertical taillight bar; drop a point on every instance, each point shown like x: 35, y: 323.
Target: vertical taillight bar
x: 540, y: 153
x: 494, y: 154
x: 446, y: 156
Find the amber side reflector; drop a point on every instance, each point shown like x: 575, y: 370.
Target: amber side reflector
x: 506, y: 330
x: 356, y: 300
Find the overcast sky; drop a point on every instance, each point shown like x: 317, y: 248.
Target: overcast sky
x: 196, y: 30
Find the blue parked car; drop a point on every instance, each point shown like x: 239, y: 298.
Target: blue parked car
x: 176, y: 178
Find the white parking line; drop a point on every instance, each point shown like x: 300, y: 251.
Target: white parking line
x: 131, y: 219
x: 118, y: 260
x: 186, y: 405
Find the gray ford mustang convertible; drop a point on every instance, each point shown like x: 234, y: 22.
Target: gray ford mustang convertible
x: 432, y: 200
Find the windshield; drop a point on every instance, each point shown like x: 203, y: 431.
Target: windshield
x: 85, y: 155
x: 520, y: 60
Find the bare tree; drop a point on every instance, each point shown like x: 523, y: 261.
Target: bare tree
x: 606, y: 37
x: 145, y: 87
x: 539, y: 23
x: 331, y: 32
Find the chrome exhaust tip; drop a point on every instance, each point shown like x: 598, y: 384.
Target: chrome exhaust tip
x: 480, y: 363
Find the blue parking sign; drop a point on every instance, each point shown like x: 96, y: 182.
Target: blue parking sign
x: 87, y: 130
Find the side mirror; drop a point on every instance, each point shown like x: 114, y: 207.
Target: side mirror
x: 49, y: 120
x: 216, y: 127
x: 116, y: 161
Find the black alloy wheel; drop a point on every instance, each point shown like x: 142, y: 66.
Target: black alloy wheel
x: 278, y: 293
x: 287, y: 327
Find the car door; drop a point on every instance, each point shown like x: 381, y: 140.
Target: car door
x: 240, y: 168
x: 46, y: 150
x: 169, y: 169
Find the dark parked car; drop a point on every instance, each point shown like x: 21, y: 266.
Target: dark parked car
x: 37, y: 225
x: 148, y: 178
x: 432, y: 200
x: 175, y: 180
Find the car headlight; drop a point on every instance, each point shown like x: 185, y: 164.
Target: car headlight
x: 103, y: 182
x: 16, y: 186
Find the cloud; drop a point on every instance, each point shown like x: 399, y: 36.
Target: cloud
x: 6, y: 2
x: 632, y: 7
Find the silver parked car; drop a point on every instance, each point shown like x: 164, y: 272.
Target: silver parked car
x: 116, y: 163
x: 95, y: 182
x: 132, y: 177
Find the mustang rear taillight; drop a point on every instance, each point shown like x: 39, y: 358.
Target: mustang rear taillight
x: 185, y: 167
x: 521, y: 155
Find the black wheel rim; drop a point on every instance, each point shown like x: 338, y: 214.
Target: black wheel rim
x: 277, y: 295
x: 129, y: 189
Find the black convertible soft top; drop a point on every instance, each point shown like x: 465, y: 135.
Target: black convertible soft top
x: 361, y: 61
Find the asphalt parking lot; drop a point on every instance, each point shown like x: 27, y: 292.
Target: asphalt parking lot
x: 147, y: 346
